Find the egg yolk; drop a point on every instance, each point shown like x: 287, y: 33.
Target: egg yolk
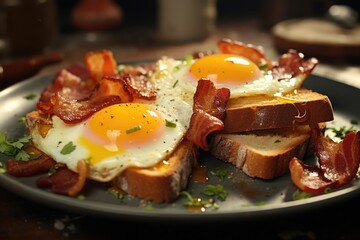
x: 116, y: 128
x: 225, y: 69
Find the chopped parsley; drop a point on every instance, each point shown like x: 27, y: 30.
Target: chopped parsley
x: 170, y: 124
x: 148, y: 206
x: 14, y: 148
x: 216, y: 190
x: 22, y: 119
x: 120, y: 68
x: 261, y: 203
x: 198, y: 202
x: 298, y: 195
x: 341, y: 131
x: 175, y: 83
x: 81, y: 197
x: 134, y: 129
x: 221, y: 173
x: 189, y: 59
x: 68, y: 148
x: 116, y: 193
x: 30, y: 96
x: 52, y: 170
x: 263, y: 66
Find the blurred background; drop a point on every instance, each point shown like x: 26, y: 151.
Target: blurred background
x: 29, y: 27
x: 145, y: 12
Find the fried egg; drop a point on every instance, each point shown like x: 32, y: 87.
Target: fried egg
x: 137, y: 134
x: 142, y: 134
x: 237, y: 73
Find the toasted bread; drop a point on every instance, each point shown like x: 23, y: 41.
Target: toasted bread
x: 164, y: 181
x: 263, y: 154
x: 267, y: 112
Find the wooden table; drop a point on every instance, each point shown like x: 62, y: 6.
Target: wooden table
x: 22, y: 218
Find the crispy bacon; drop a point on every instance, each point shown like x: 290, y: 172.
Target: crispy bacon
x: 291, y: 64
x: 254, y: 53
x: 33, y: 167
x: 208, y: 111
x: 72, y: 111
x: 100, y: 63
x: 64, y: 181
x: 82, y: 169
x: 338, y: 163
x: 73, y: 100
x: 67, y: 83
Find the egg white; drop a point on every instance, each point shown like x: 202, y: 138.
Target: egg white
x: 176, y: 108
x: 173, y: 70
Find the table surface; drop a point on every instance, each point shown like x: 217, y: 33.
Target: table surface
x: 21, y: 218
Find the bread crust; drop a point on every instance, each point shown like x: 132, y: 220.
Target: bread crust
x: 162, y: 182
x: 262, y: 154
x: 268, y: 112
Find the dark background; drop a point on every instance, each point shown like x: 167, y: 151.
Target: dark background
x: 144, y: 12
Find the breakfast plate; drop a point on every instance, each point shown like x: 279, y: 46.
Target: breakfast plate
x: 246, y: 197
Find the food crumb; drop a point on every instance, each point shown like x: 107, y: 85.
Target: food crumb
x: 59, y: 225
x: 66, y: 225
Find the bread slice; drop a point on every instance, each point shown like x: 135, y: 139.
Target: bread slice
x: 263, y: 154
x: 164, y: 181
x: 266, y: 112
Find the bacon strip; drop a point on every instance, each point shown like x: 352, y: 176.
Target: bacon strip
x: 208, y: 110
x: 73, y: 111
x: 73, y: 99
x: 100, y: 63
x: 64, y: 181
x: 255, y: 53
x: 20, y: 168
x: 338, y: 163
x: 291, y: 64
x: 60, y: 182
x: 78, y: 186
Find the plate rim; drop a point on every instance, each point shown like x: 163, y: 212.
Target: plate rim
x: 107, y: 210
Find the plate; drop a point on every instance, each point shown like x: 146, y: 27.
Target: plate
x: 247, y: 198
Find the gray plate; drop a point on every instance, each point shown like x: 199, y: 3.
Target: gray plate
x: 248, y: 198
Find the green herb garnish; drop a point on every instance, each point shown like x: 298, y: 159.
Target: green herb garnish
x: 14, y: 148
x: 30, y: 96
x: 263, y: 66
x: 175, y: 83
x: 52, y: 170
x: 221, y: 173
x: 261, y: 203
x: 22, y: 119
x: 298, y: 195
x: 148, y: 206
x: 81, y: 197
x: 341, y: 131
x: 134, y: 129
x: 68, y: 148
x: 189, y: 59
x: 215, y: 190
x: 120, y: 68
x: 117, y: 194
x: 198, y: 202
x: 170, y: 124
